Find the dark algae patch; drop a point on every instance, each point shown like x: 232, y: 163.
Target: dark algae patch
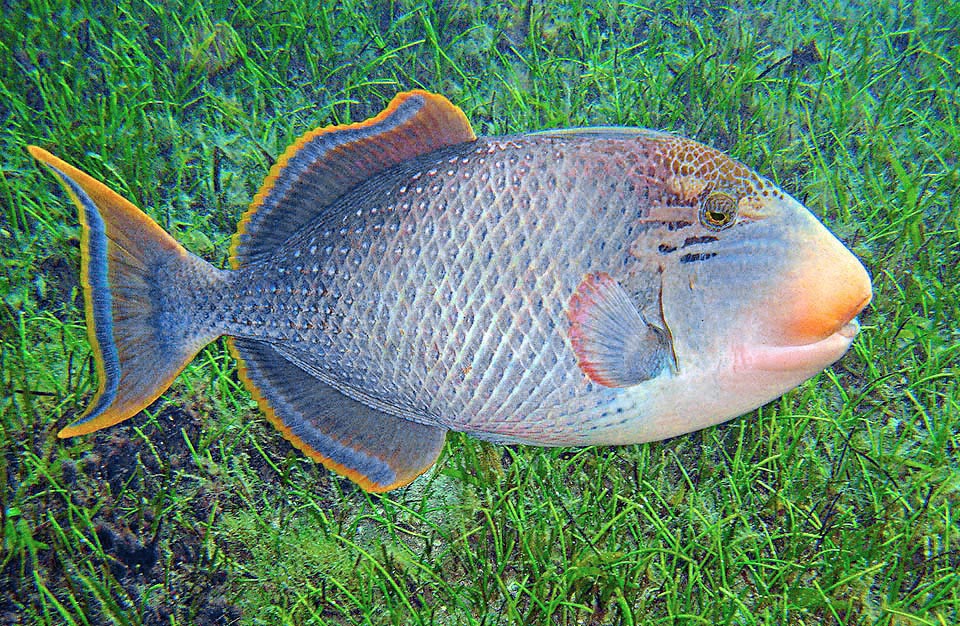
x: 836, y: 504
x: 109, y: 514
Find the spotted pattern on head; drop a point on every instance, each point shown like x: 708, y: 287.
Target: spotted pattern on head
x: 704, y: 192
x: 699, y: 170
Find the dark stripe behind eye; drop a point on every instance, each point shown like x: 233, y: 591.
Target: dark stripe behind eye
x: 691, y: 241
x: 702, y: 256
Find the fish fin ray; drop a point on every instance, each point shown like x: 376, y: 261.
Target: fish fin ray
x: 377, y: 451
x: 325, y: 163
x: 124, y: 255
x: 614, y: 345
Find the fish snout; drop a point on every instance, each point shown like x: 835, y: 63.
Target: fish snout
x: 825, y: 288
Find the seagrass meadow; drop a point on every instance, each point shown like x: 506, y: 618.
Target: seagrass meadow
x: 838, y: 503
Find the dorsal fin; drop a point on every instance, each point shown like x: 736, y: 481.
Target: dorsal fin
x: 325, y: 163
x: 611, y: 132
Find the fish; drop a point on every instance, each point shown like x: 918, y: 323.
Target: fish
x: 399, y: 278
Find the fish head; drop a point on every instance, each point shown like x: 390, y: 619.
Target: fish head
x: 756, y: 294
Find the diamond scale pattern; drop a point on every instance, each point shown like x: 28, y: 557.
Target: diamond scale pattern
x: 439, y: 290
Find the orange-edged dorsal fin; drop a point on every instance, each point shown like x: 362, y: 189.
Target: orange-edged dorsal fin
x: 377, y: 451
x: 326, y: 162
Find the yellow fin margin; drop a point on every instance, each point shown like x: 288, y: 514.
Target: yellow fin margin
x: 326, y: 162
x: 408, y: 449
x: 121, y: 246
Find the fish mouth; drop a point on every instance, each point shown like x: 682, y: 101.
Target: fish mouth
x: 804, y: 358
x: 823, y: 300
x: 848, y: 325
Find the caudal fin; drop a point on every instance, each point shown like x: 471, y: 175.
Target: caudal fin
x: 140, y: 335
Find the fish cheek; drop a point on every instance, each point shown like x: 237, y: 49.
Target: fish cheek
x: 696, y: 313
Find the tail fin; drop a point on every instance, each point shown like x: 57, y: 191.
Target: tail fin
x: 141, y: 337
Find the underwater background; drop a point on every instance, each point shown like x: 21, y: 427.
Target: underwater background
x: 836, y: 504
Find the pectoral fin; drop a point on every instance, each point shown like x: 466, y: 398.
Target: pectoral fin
x: 615, y: 346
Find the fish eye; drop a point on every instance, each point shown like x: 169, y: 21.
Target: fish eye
x: 718, y: 210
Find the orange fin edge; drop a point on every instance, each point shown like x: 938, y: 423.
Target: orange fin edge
x: 279, y: 422
x: 118, y: 243
x: 614, y: 345
x: 431, y: 123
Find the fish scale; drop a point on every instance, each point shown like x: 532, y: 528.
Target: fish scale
x: 485, y: 355
x: 397, y: 278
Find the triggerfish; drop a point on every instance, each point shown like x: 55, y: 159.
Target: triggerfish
x: 400, y: 277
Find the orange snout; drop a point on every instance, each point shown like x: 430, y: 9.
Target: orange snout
x: 824, y: 292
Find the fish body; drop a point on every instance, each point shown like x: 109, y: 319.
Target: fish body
x: 399, y: 278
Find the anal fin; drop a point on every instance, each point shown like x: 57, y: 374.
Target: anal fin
x: 377, y: 451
